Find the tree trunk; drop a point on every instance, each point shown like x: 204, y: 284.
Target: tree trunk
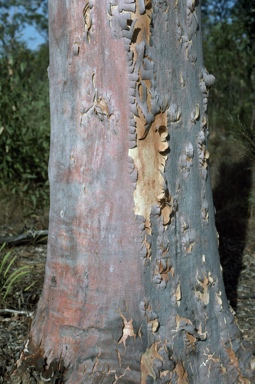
x: 133, y: 290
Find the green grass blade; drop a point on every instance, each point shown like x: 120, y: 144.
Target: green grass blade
x: 16, y: 277
x: 5, y: 258
x: 3, y: 245
x: 9, y: 266
x: 17, y: 272
x: 30, y: 286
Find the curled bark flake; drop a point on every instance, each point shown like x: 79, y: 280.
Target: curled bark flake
x: 209, y: 79
x: 182, y: 81
x: 185, y: 164
x: 195, y: 114
x: 181, y: 373
x: 162, y: 272
x: 202, y: 290
x: 174, y: 113
x: 147, y: 362
x: 34, y: 362
x: 153, y: 326
x: 205, y: 211
x: 191, y: 5
x: 189, y: 150
x: 188, y: 240
x: 178, y: 294
x: 76, y: 49
x: 128, y: 330
x: 88, y: 20
x: 167, y: 206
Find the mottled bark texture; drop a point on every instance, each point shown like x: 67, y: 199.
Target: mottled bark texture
x: 133, y: 291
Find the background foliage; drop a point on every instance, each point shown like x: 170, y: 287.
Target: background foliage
x: 24, y: 103
x: 229, y: 53
x: 229, y: 48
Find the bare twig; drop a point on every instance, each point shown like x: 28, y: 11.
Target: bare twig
x: 27, y: 237
x: 13, y: 312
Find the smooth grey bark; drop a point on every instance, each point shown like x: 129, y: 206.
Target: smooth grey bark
x: 133, y: 290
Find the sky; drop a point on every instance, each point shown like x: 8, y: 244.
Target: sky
x: 32, y: 37
x: 29, y: 33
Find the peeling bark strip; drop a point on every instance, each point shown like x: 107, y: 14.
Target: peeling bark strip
x: 148, y: 132
x: 36, y: 369
x: 88, y: 20
x: 133, y: 290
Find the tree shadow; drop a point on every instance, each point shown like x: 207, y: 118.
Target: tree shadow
x: 231, y: 200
